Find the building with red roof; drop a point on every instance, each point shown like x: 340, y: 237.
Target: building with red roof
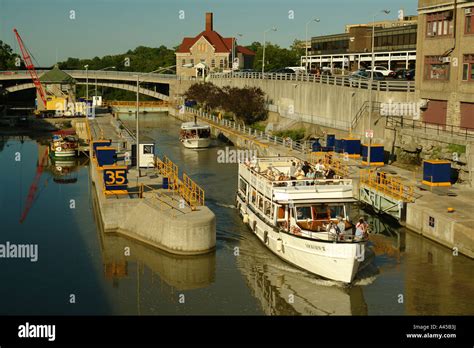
x: 210, y: 52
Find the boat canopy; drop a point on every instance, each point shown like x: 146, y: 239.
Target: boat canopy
x: 192, y: 126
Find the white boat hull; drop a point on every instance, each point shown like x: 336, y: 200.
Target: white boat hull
x: 335, y: 261
x: 196, y: 143
x: 68, y: 153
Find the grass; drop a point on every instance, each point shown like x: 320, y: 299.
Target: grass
x: 457, y: 148
x: 294, y: 134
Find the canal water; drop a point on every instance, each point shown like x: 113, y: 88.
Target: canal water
x: 82, y: 271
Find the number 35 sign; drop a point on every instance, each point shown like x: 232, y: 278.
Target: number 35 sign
x: 115, y: 177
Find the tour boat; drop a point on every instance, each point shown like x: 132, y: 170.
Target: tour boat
x: 64, y: 145
x: 294, y: 218
x: 194, y: 135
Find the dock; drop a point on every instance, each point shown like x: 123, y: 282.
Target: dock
x: 158, y: 206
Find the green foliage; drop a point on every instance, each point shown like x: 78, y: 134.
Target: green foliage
x: 275, y: 56
x: 294, y: 134
x: 7, y: 57
x: 143, y: 59
x: 258, y: 126
x: 246, y: 104
x: 459, y: 149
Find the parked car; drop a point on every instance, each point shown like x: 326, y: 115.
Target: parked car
x: 410, y: 75
x: 385, y: 71
x: 399, y: 74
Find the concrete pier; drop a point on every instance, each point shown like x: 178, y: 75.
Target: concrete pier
x: 155, y: 216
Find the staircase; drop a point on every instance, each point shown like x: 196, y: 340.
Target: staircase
x: 363, y: 112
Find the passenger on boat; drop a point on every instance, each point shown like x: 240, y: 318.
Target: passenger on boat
x: 310, y: 174
x: 293, y: 171
x: 300, y: 175
x: 332, y: 229
x: 306, y: 167
x: 361, y: 229
x: 329, y: 174
x: 319, y: 167
x: 341, y: 225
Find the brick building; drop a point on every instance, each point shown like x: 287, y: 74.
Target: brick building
x: 210, y: 52
x: 445, y: 61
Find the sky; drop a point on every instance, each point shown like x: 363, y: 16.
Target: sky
x: 54, y: 30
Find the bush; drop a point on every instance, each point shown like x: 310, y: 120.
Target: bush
x: 294, y: 134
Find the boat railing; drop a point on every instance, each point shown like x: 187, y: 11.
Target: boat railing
x: 258, y: 178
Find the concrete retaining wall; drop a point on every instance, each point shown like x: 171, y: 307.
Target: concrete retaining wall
x: 326, y: 105
x: 452, y: 231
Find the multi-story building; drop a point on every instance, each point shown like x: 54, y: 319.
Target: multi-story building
x: 394, y: 45
x: 210, y: 52
x: 445, y: 61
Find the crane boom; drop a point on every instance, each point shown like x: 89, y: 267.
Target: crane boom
x: 31, y: 68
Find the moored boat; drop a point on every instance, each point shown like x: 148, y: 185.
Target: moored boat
x: 194, y: 135
x: 304, y: 221
x: 64, y: 144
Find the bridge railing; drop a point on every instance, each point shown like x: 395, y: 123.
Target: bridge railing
x: 346, y: 81
x: 100, y: 74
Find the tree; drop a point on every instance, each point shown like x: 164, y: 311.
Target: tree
x: 277, y: 57
x: 7, y: 57
x: 247, y: 104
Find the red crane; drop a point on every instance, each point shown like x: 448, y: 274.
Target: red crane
x: 31, y: 68
x: 42, y: 162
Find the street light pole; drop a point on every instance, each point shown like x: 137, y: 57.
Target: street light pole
x: 371, y: 105
x: 264, y: 44
x: 137, y: 118
x: 306, y: 41
x: 233, y: 55
x: 87, y: 81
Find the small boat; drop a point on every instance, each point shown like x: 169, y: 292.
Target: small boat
x: 296, y: 219
x: 64, y: 144
x: 194, y: 135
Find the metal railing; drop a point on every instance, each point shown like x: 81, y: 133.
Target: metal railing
x: 345, y: 81
x: 329, y: 160
x: 364, y: 109
x: 187, y: 189
x: 250, y: 133
x: 429, y: 128
x: 159, y: 103
x: 91, y: 74
x: 387, y: 184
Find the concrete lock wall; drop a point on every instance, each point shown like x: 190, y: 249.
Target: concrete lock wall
x: 142, y: 220
x: 318, y: 103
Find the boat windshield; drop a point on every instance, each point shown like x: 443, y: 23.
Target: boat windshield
x: 315, y: 217
x: 196, y: 133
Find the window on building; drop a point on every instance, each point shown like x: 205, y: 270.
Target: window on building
x: 469, y: 29
x: 437, y: 68
x: 213, y: 63
x: 226, y: 64
x: 468, y: 68
x: 221, y: 63
x: 439, y: 24
x: 183, y: 62
x: 191, y: 61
